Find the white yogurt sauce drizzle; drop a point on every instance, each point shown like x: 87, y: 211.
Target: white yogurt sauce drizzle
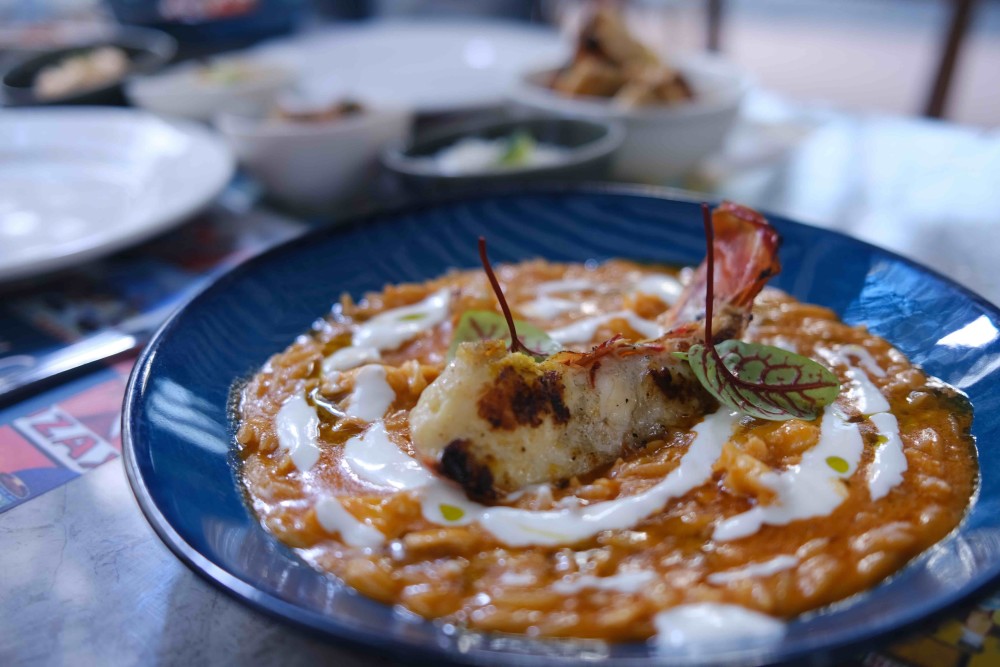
x: 810, y: 489
x: 334, y: 518
x: 517, y: 579
x: 570, y: 285
x: 864, y: 357
x: 349, y: 357
x: 372, y: 394
x: 376, y: 459
x: 622, y: 582
x: 297, y: 426
x: 539, y: 491
x: 763, y: 569
x: 806, y: 490
x: 582, y: 331
x: 863, y: 393
x: 664, y: 287
x: 706, y: 624
x: 660, y: 285
x: 390, y: 329
x: 520, y: 527
x: 889, y: 464
x: 887, y: 468
x: 860, y: 391
x: 546, y: 306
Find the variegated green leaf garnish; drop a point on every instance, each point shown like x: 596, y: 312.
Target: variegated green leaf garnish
x: 478, y: 325
x: 759, y: 380
x: 764, y: 381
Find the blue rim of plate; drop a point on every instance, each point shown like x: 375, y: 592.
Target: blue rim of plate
x: 164, y: 451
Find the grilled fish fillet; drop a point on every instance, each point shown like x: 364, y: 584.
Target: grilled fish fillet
x: 496, y: 421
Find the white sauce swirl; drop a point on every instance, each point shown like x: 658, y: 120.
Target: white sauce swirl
x: 372, y: 394
x: 861, y: 391
x: 763, y: 569
x: 334, y: 518
x: 520, y: 527
x: 545, y: 307
x: 390, y: 329
x: 349, y: 357
x: 509, y: 578
x: 570, y: 285
x: 376, y: 459
x: 297, y: 426
x: 664, y: 287
x: 582, y: 331
x: 622, y: 582
x: 889, y: 464
x: 706, y: 624
x: 810, y: 489
x: 864, y: 357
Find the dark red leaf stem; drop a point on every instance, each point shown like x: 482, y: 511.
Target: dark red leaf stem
x: 706, y: 218
x: 515, y: 343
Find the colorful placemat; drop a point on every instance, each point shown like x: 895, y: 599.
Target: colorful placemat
x: 57, y: 435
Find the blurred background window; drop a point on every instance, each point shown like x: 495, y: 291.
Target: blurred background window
x: 878, y: 55
x: 861, y: 55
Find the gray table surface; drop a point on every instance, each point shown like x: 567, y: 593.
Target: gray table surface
x: 85, y: 581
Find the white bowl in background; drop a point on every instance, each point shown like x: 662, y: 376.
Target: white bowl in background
x: 180, y: 90
x: 662, y: 141
x: 314, y: 166
x: 78, y: 183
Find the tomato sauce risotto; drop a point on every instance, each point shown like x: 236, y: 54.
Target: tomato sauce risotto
x: 600, y: 493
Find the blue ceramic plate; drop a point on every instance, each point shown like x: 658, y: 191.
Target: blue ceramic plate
x: 178, y: 436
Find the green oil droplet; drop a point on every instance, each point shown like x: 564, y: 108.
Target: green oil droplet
x: 451, y: 513
x: 838, y: 464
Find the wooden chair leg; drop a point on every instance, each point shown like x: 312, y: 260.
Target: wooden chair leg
x: 961, y: 18
x: 714, y: 23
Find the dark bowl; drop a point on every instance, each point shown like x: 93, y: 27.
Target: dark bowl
x: 147, y: 51
x: 591, y: 144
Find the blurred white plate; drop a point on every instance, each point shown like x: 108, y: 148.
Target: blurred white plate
x: 78, y: 183
x: 426, y: 65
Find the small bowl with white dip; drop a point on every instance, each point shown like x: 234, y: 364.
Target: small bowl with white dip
x: 511, y: 151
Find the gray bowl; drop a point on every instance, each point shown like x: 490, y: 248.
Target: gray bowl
x: 147, y: 51
x: 591, y: 146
